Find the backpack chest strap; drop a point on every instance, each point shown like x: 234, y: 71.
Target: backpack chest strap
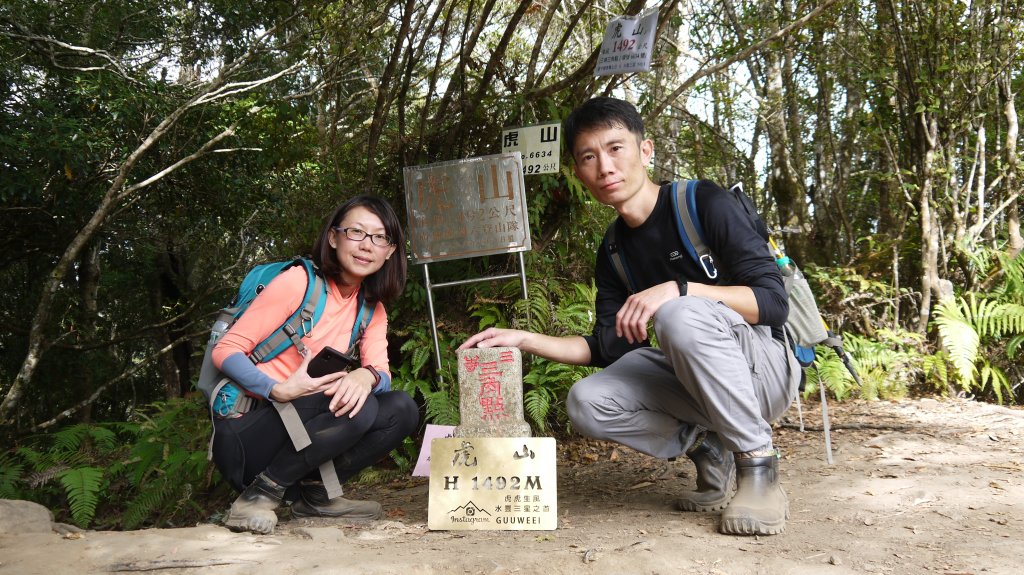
x: 292, y: 332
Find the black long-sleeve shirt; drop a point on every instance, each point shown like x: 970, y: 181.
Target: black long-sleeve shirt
x: 654, y: 253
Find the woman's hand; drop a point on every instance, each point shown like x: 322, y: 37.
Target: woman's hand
x: 300, y: 384
x: 350, y: 392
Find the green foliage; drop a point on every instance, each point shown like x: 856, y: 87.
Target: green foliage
x: 167, y: 464
x: 416, y: 373
x: 550, y: 309
x: 118, y: 474
x: 547, y: 383
x: 847, y: 296
x: 76, y: 456
x: 828, y: 369
x: 982, y: 332
x: 964, y: 323
x: 329, y: 131
x: 888, y: 367
x: 11, y: 470
x: 82, y: 485
x: 403, y: 458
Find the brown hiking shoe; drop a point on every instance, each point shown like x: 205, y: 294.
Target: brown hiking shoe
x: 716, y: 475
x: 315, y: 503
x: 760, y: 506
x: 253, y: 510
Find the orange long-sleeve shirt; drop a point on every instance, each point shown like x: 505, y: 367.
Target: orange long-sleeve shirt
x: 275, y: 304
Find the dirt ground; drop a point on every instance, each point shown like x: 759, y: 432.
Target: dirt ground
x: 918, y: 486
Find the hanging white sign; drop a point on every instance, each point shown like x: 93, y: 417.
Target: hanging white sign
x: 628, y: 44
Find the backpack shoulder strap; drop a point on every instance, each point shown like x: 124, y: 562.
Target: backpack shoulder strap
x: 616, y: 257
x: 684, y: 203
x: 363, y: 319
x: 302, y: 319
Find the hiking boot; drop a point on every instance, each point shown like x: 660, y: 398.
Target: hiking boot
x: 716, y: 475
x: 760, y: 506
x: 315, y: 503
x: 253, y: 510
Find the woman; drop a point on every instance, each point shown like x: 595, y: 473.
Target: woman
x: 351, y: 416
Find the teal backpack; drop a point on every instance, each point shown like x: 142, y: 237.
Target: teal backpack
x: 225, y: 398
x: 289, y: 333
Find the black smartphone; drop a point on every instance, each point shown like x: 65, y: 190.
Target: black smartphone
x: 330, y: 360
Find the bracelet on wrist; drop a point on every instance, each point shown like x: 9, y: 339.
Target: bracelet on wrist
x: 683, y: 285
x: 376, y: 375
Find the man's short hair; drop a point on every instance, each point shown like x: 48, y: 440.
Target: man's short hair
x: 599, y: 113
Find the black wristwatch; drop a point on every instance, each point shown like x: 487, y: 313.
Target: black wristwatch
x: 682, y: 287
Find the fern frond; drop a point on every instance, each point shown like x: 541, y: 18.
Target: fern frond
x: 105, y: 438
x: 534, y: 313
x: 888, y: 364
x: 1008, y: 319
x: 40, y: 478
x: 31, y: 456
x: 149, y: 499
x: 537, y: 403
x: 403, y: 462
x: 829, y: 369
x: 441, y: 408
x: 992, y: 318
x: 82, y: 486
x: 1013, y: 269
x: 11, y: 470
x: 959, y: 337
x: 935, y: 366
x: 489, y: 315
x: 1015, y: 343
x: 421, y: 347
x: 996, y: 378
x: 70, y: 438
x: 411, y: 385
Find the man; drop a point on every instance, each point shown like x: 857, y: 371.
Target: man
x: 722, y: 371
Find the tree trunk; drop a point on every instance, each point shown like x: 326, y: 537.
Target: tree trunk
x: 384, y: 94
x: 783, y: 180
x: 929, y: 224
x: 1016, y: 242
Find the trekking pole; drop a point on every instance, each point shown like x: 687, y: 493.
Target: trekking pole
x: 824, y: 421
x: 836, y: 343
x: 848, y: 363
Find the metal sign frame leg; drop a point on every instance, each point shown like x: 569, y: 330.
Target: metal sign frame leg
x: 430, y: 299
x: 433, y: 319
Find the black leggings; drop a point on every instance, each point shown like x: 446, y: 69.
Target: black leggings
x: 257, y: 442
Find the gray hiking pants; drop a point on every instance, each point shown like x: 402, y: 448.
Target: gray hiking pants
x: 712, y: 369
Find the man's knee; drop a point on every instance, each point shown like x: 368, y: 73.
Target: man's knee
x: 681, y: 323
x: 580, y: 409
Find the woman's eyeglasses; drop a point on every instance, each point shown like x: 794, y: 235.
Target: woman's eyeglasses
x: 358, y: 235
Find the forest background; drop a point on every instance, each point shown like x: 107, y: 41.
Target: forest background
x: 152, y: 152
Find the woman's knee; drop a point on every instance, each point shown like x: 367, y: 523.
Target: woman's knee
x: 367, y: 415
x: 401, y: 411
